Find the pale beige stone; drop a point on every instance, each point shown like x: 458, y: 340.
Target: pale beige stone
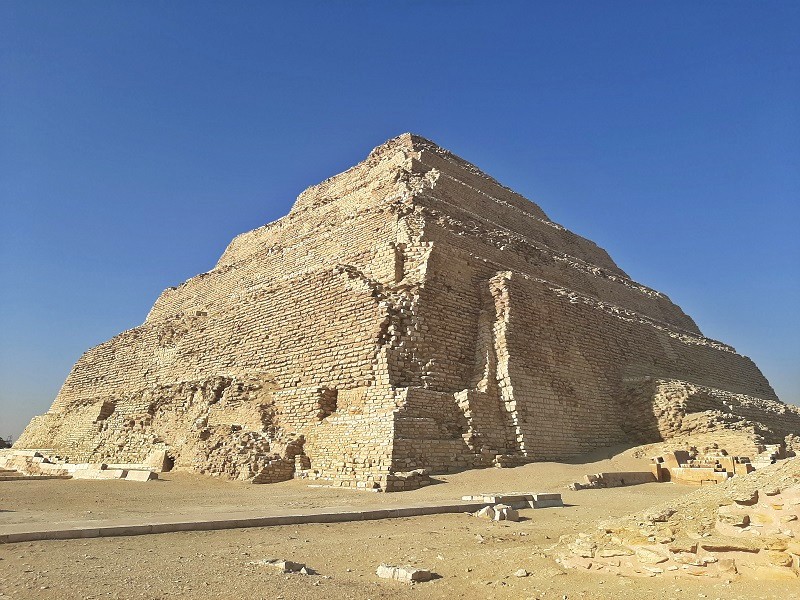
x: 408, y: 316
x: 404, y: 574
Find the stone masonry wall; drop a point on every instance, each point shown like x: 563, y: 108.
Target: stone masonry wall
x: 408, y: 313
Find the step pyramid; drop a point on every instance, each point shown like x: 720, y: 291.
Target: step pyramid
x: 410, y: 313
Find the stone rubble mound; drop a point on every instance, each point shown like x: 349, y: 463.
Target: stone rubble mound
x: 32, y: 464
x: 747, y: 526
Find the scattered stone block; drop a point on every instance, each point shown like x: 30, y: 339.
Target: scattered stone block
x: 404, y: 574
x: 514, y: 500
x: 746, y: 499
x: 612, y: 551
x: 660, y: 516
x: 487, y: 512
x: 780, y: 559
x: 141, y: 476
x: 282, y: 565
x: 159, y: 461
x: 503, y: 512
x: 734, y: 518
x: 684, y: 545
x: 547, y: 500
x: 730, y: 545
x: 94, y: 473
x: 112, y: 474
x: 727, y: 565
x: 519, y: 500
x: 650, y: 556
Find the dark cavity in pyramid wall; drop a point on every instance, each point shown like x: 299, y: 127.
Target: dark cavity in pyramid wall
x: 408, y: 313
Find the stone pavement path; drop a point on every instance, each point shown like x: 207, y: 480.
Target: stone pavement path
x: 221, y: 520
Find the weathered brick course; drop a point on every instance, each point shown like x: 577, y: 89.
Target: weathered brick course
x: 410, y: 313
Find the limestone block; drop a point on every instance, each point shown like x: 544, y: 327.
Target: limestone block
x: 405, y: 574
x: 158, y: 460
x: 547, y: 500
x: 503, y: 512
x: 583, y: 548
x: 135, y: 475
x: 283, y: 565
x: 746, y: 499
x: 650, y: 556
x: 487, y: 512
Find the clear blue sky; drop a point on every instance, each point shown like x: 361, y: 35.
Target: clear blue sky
x: 137, y: 138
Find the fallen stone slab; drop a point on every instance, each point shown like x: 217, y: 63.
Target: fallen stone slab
x: 515, y: 500
x: 158, y: 460
x: 130, y: 466
x: 614, y: 551
x: 99, y: 474
x: 650, y: 555
x: 731, y: 545
x: 404, y: 574
x: 733, y: 519
x: 284, y: 566
x: 141, y: 476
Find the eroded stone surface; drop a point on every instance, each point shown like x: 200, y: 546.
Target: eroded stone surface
x: 410, y: 313
x: 726, y: 531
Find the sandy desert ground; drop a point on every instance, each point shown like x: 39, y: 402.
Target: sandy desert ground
x: 472, y: 558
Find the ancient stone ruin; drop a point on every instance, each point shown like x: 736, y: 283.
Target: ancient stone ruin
x: 688, y: 468
x: 409, y: 315
x: 748, y: 528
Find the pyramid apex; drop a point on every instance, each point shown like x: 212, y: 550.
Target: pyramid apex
x: 411, y: 141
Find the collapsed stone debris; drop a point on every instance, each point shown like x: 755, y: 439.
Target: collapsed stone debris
x: 743, y: 527
x: 681, y: 466
x: 410, y: 316
x: 498, y: 512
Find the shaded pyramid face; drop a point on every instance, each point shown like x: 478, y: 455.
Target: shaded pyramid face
x: 408, y: 313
